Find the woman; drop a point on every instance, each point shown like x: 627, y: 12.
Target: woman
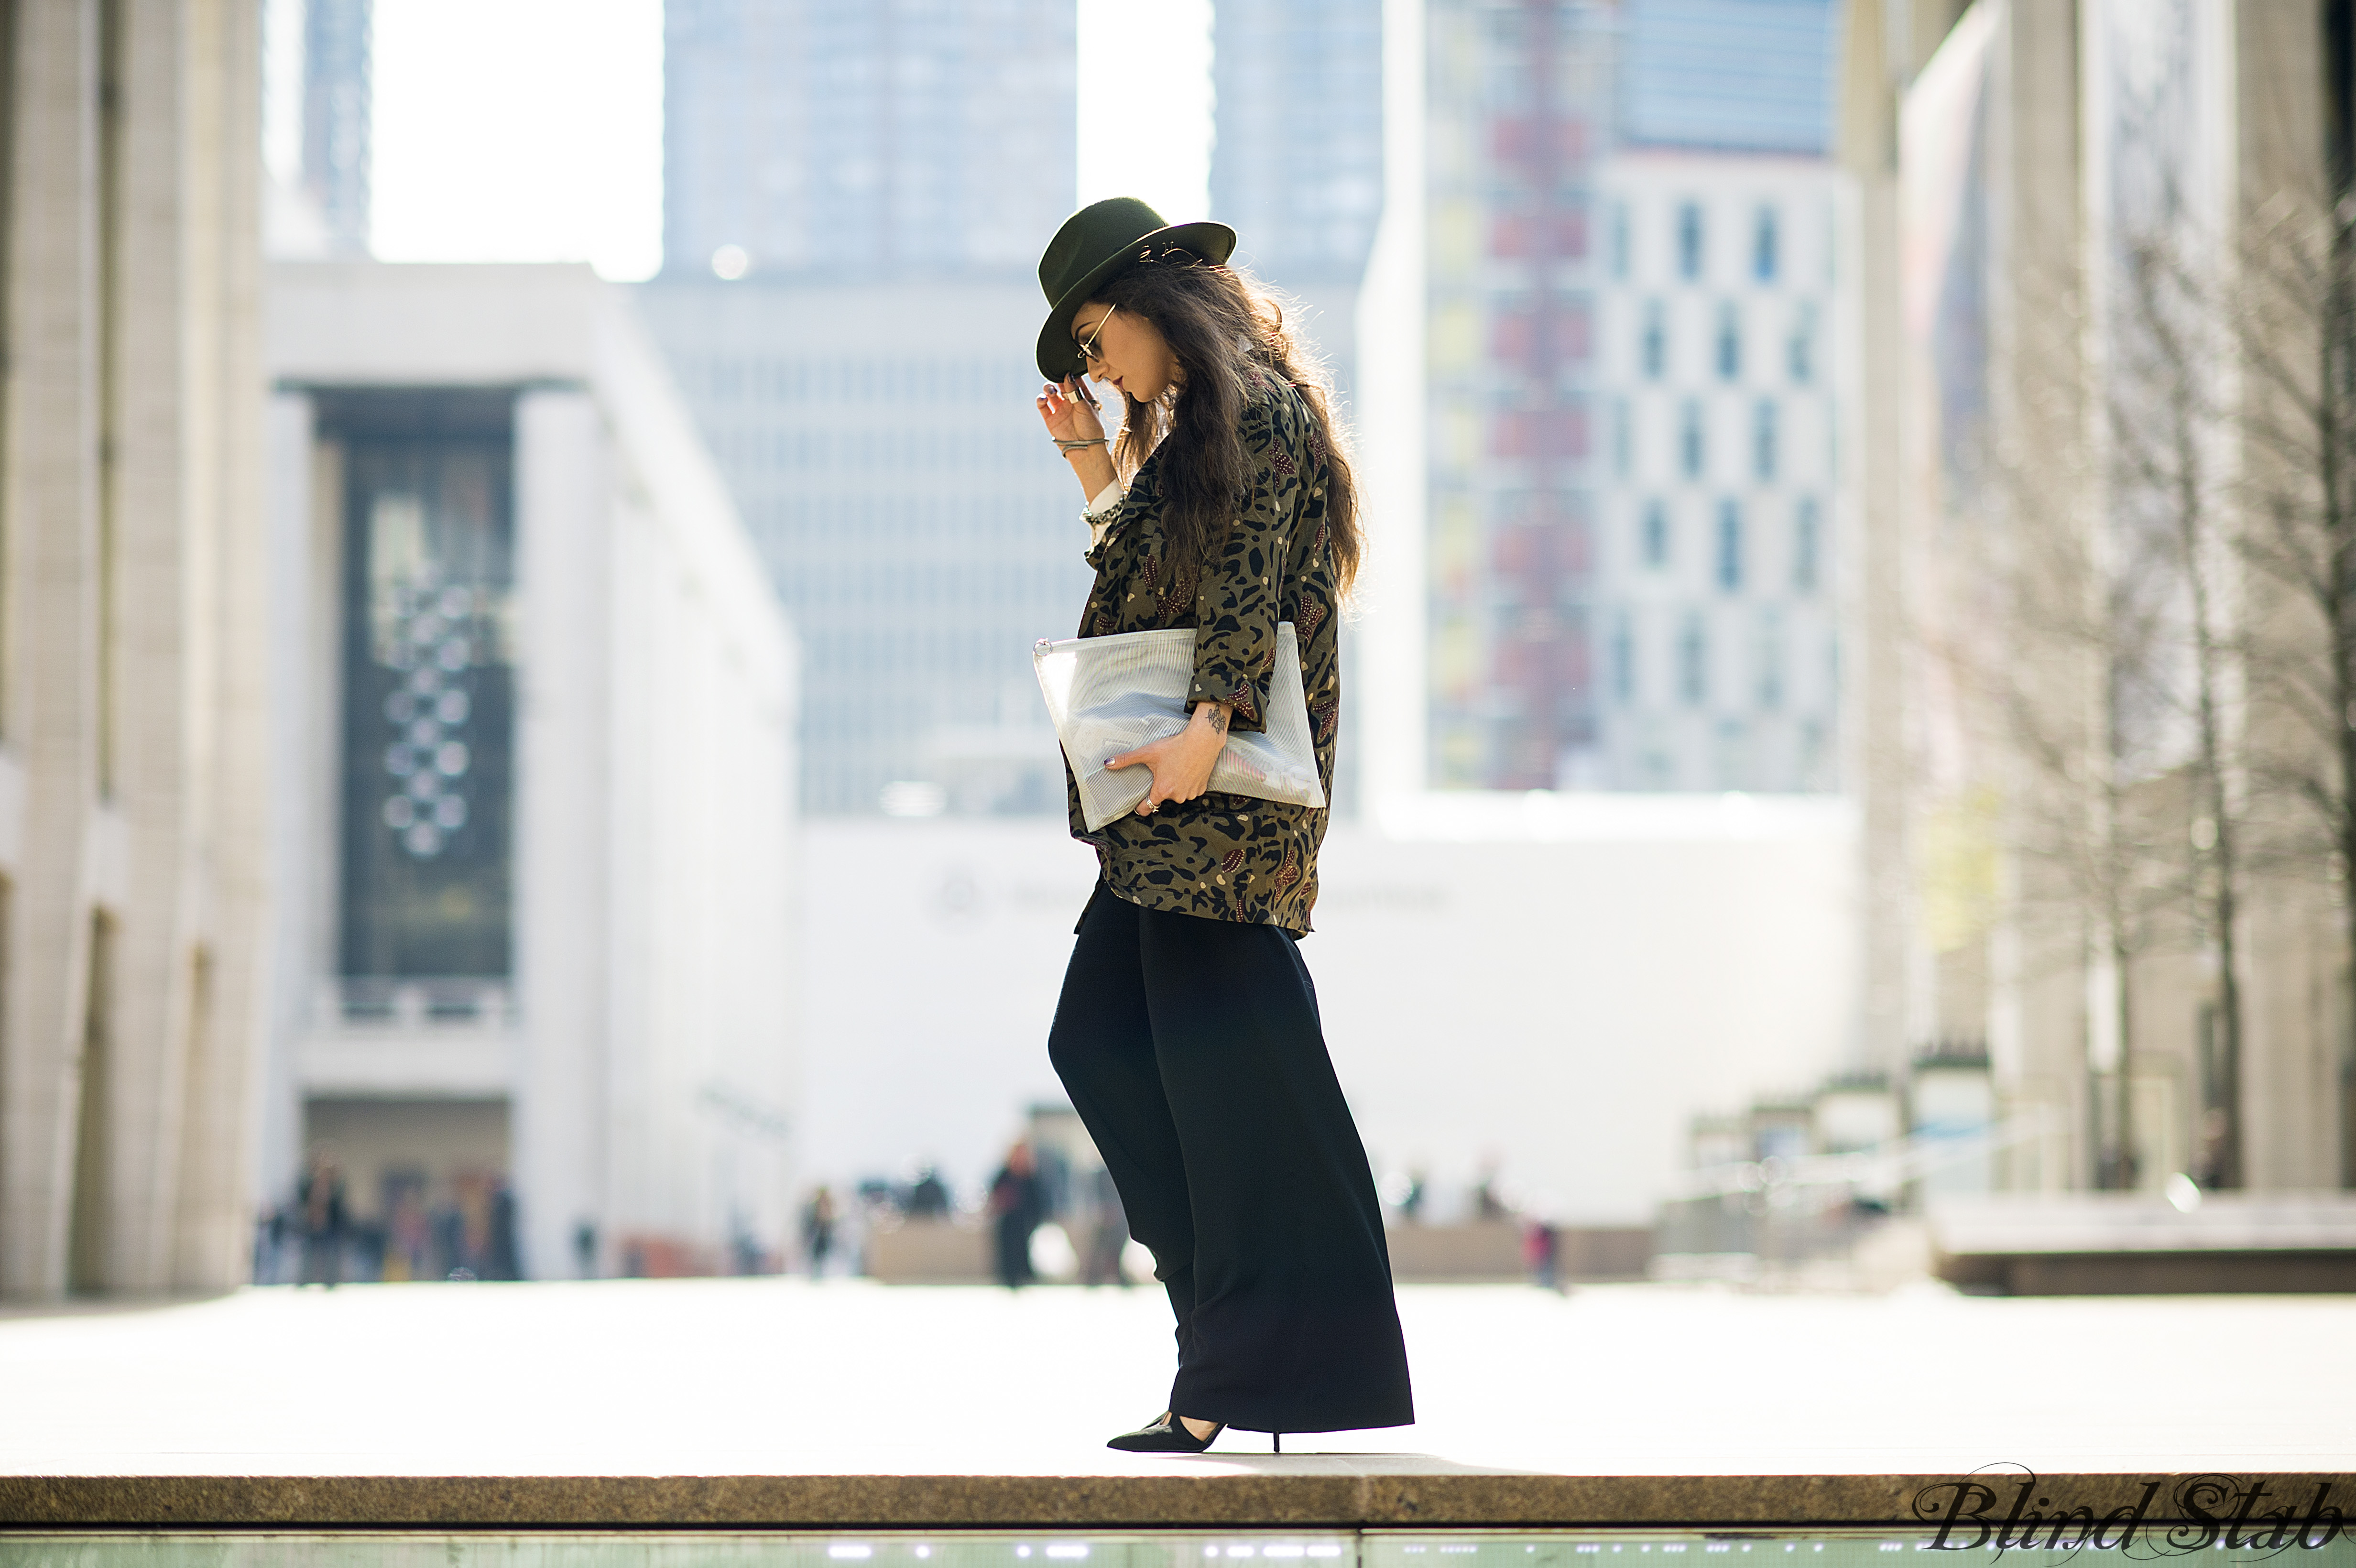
x: 1187, y: 1033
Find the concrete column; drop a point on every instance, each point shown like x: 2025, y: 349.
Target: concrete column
x: 301, y: 616
x: 162, y: 542
x: 51, y: 471
x: 130, y: 626
x: 565, y: 830
x: 2296, y: 987
x: 1871, y: 544
x: 209, y: 1210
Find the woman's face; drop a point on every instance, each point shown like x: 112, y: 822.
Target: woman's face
x: 1125, y: 352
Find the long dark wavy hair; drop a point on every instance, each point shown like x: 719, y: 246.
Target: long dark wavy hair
x: 1222, y: 324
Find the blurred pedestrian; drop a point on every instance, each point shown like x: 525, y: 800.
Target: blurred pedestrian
x: 744, y: 1250
x: 500, y: 1257
x: 448, y: 1224
x: 817, y: 1228
x: 585, y: 1249
x: 1542, y: 1251
x: 928, y: 1196
x: 1488, y: 1197
x: 1016, y: 1207
x: 406, y: 1235
x: 1187, y: 1034
x: 320, y: 1199
x: 273, y: 1235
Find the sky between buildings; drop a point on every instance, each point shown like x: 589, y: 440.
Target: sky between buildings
x: 531, y: 130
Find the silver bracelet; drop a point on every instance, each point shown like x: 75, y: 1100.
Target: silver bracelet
x: 1063, y: 446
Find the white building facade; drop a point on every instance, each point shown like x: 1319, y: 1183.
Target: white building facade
x: 1549, y: 985
x: 1720, y: 494
x: 535, y: 944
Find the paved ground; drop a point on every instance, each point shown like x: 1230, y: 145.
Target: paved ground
x: 741, y: 1377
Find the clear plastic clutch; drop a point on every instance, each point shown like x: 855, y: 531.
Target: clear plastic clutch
x: 1111, y: 695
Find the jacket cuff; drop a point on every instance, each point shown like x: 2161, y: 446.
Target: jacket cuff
x: 1220, y: 683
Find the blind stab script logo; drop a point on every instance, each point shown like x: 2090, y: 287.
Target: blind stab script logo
x: 2200, y: 1512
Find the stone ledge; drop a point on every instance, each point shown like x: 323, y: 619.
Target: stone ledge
x: 1314, y: 1493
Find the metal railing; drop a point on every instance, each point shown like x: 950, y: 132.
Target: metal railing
x: 360, y: 1003
x: 1882, y: 1170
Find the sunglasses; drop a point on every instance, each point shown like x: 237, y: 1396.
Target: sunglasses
x: 1088, y: 345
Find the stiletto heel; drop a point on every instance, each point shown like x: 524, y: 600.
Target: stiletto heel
x: 1166, y: 1435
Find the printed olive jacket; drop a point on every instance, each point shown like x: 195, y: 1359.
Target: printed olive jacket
x: 1231, y: 857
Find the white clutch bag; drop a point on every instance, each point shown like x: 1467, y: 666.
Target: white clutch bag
x: 1111, y: 695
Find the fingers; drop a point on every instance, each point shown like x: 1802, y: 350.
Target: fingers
x: 1132, y: 759
x: 1158, y: 794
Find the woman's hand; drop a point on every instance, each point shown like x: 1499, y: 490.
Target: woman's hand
x: 1180, y: 763
x: 1069, y: 417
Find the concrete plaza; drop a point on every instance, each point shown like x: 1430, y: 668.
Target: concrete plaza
x: 770, y: 1377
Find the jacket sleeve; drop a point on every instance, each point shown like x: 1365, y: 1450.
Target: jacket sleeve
x: 1237, y: 597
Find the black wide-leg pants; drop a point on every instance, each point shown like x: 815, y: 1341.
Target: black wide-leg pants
x: 1192, y: 1052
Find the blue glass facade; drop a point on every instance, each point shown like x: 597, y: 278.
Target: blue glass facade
x: 901, y: 138
x: 881, y: 178
x: 1741, y: 76
x: 1297, y: 162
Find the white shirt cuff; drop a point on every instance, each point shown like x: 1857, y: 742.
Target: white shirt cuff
x: 1101, y: 513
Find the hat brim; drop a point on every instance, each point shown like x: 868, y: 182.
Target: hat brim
x: 1060, y: 356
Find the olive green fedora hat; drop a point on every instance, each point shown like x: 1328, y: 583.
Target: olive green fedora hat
x: 1096, y: 244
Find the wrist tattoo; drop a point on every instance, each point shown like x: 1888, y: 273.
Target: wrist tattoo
x: 1219, y: 718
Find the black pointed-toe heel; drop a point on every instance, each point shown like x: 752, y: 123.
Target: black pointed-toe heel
x: 1168, y: 1435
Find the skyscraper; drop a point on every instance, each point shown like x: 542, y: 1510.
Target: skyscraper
x: 1619, y: 414
x: 336, y: 117
x: 855, y: 197
x: 1516, y: 117
x: 1718, y: 501
x: 892, y: 140
x: 1297, y: 154
x: 1297, y: 171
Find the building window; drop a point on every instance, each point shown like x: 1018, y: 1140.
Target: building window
x: 1730, y: 341
x: 1655, y: 348
x: 1693, y: 663
x: 1623, y: 661
x: 1689, y: 240
x: 428, y: 684
x: 1729, y: 544
x: 1763, y: 439
x: 1804, y: 546
x: 1619, y: 241
x: 1764, y: 243
x: 1652, y: 535
x: 1623, y: 438
x: 1691, y: 454
x: 1804, y: 344
x: 1770, y: 662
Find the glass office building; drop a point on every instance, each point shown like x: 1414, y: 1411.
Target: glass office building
x: 1718, y: 496
x: 856, y: 197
